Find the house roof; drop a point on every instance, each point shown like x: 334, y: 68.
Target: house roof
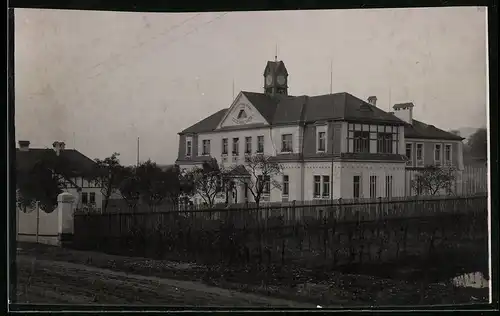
x: 421, y: 130
x: 282, y: 109
x: 273, y: 66
x: 71, y: 161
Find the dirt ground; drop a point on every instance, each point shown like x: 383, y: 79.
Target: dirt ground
x: 49, y: 274
x: 56, y: 282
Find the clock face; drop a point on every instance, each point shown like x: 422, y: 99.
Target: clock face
x: 269, y: 79
x: 281, y: 79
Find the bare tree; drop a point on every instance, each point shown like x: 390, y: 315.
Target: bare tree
x: 258, y: 175
x: 431, y: 180
x: 207, y: 181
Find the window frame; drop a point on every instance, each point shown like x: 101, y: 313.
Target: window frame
x: 370, y: 135
x: 409, y: 162
x: 85, y: 198
x: 373, y: 186
x: 205, y: 147
x: 388, y: 186
x: 358, y: 183
x: 259, y: 143
x: 447, y: 162
x: 285, y: 142
x: 316, y: 185
x: 438, y: 162
x: 225, y: 146
x: 236, y: 146
x: 419, y: 162
x: 189, y: 147
x: 286, y: 185
x: 324, y: 185
x: 92, y: 198
x: 248, y: 145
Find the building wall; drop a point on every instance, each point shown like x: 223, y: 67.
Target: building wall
x: 456, y: 151
x: 367, y: 169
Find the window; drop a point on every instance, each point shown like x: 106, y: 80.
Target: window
x: 92, y: 197
x: 321, y: 141
x: 384, y: 143
x: 373, y: 187
x: 286, y: 143
x: 85, y: 198
x: 388, y: 186
x: 224, y: 146
x: 206, y: 147
x: 248, y: 145
x: 364, y: 138
x: 286, y: 186
x: 260, y: 144
x: 409, y: 154
x: 447, y: 154
x: 326, y: 186
x: 420, y: 154
x: 265, y: 182
x: 437, y: 154
x: 188, y: 148
x: 317, y: 186
x: 246, y: 190
x: 236, y: 149
x: 357, y: 187
x: 242, y: 115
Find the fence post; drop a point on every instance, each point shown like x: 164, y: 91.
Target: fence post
x: 379, y: 208
x: 37, y: 220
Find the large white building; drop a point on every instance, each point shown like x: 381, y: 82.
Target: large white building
x: 329, y: 146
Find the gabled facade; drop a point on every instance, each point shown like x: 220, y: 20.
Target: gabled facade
x: 78, y: 174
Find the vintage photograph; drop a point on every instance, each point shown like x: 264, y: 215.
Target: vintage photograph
x: 268, y: 159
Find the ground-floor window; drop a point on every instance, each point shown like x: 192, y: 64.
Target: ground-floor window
x: 356, y: 186
x: 373, y: 187
x: 326, y: 186
x: 321, y: 186
x: 286, y: 187
x: 388, y: 186
x: 317, y: 186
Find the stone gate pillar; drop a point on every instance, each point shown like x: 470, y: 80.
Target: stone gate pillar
x: 65, y: 214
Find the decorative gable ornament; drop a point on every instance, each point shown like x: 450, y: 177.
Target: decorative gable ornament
x: 242, y: 117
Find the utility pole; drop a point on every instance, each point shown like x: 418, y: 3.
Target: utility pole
x: 138, y: 151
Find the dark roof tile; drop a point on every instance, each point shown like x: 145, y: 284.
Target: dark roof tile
x: 421, y: 130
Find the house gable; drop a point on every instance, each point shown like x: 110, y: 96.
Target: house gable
x: 242, y: 112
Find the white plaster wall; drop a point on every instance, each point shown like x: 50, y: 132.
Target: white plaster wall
x: 367, y: 169
x: 276, y: 134
x: 293, y: 171
x: 312, y: 169
x: 47, y: 226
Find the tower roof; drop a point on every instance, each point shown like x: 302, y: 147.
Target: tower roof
x: 274, y: 66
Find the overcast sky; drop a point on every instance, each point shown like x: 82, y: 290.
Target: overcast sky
x: 98, y: 80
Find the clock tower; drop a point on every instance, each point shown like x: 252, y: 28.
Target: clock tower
x: 275, y: 78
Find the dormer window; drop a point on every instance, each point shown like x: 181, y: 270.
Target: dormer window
x: 242, y: 115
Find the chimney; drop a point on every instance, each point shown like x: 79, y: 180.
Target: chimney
x: 372, y: 100
x: 58, y: 147
x: 404, y: 111
x: 24, y: 145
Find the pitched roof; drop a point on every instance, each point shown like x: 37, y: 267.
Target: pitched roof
x: 421, y: 130
x: 282, y: 109
x: 71, y: 161
x: 273, y: 66
x: 207, y: 124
